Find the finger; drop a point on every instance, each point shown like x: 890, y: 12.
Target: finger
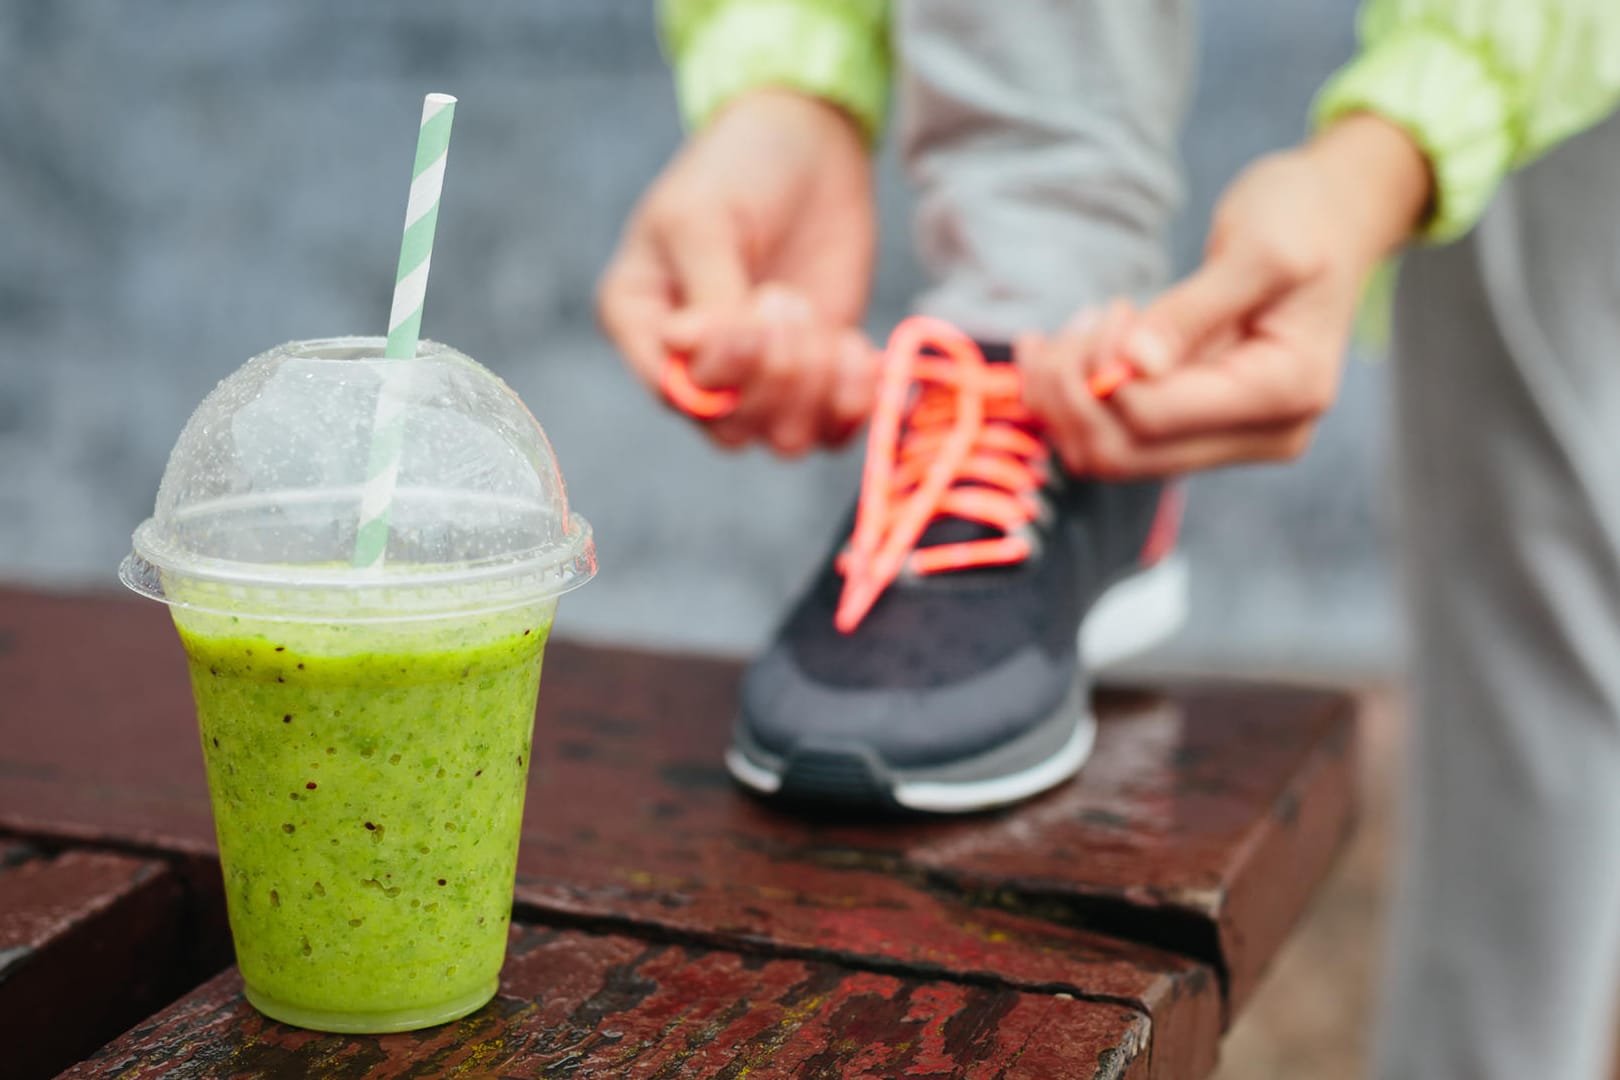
x: 1108, y: 335
x: 739, y: 360
x: 1281, y: 442
x: 686, y: 328
x: 1038, y: 362
x: 793, y: 417
x: 1223, y: 292
x: 1097, y: 434
x: 821, y: 354
x: 727, y: 436
x: 690, y: 398
x: 733, y: 348
x: 1030, y: 352
x: 1059, y: 393
x: 703, y: 259
x: 854, y: 389
x: 1260, y: 383
x: 780, y: 401
x: 1043, y: 398
x: 1090, y: 442
x: 726, y: 343
x: 1106, y: 366
x: 757, y: 354
x: 1027, y: 350
x: 775, y: 302
x: 632, y: 303
x: 705, y: 256
x: 726, y: 351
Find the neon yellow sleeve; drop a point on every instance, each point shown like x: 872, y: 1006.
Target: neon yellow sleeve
x: 837, y: 50
x: 1483, y: 86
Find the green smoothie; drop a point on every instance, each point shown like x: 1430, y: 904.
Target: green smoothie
x: 367, y: 788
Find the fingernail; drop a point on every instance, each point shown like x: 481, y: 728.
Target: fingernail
x: 1149, y: 351
x: 684, y: 327
x: 1082, y: 322
x: 778, y: 303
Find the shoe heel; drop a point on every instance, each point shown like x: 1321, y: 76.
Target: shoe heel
x: 1136, y: 614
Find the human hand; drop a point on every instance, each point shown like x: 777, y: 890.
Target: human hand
x: 1239, y: 361
x: 786, y: 378
x: 750, y: 257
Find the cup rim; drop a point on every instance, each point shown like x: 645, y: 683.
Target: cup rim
x: 393, y: 592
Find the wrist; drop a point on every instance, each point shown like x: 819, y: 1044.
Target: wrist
x: 784, y: 106
x: 1380, y: 176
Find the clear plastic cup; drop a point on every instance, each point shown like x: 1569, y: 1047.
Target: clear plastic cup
x: 366, y: 731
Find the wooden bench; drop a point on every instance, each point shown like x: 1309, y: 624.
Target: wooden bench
x: 667, y: 925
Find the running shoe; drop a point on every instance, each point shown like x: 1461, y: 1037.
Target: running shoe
x: 940, y: 660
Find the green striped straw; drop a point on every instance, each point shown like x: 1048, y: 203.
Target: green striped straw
x: 404, y: 326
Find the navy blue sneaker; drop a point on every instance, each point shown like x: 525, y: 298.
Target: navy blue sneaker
x: 939, y: 662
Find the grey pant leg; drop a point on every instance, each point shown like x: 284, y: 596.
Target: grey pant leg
x: 1041, y: 138
x: 1506, y: 936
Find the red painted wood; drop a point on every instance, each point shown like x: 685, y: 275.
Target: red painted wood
x: 585, y: 1005
x: 1204, y: 823
x: 89, y: 943
x: 1212, y: 809
x: 635, y: 824
x: 1201, y: 827
x: 97, y: 737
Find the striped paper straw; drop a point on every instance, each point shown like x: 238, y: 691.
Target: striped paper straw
x: 404, y: 326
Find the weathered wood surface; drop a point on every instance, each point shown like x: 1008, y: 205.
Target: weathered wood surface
x: 89, y: 944
x: 586, y: 1005
x: 1171, y: 872
x: 1204, y: 823
x: 98, y: 741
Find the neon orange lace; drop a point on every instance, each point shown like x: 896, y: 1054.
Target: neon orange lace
x: 959, y: 447
x: 676, y: 384
x: 962, y: 449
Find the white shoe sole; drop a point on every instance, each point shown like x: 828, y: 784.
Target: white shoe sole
x: 1136, y: 614
x: 969, y: 796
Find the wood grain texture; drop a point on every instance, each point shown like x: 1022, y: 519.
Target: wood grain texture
x: 1202, y: 826
x: 1163, y: 880
x: 586, y: 1005
x: 89, y: 943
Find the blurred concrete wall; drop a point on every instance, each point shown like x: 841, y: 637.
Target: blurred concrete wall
x: 184, y: 183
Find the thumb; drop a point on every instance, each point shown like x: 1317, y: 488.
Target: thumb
x: 705, y: 254
x: 1221, y: 293
x: 704, y: 257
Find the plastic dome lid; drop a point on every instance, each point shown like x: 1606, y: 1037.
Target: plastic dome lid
x: 260, y: 505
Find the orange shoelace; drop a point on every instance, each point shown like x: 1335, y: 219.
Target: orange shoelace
x: 950, y: 437
x: 676, y: 384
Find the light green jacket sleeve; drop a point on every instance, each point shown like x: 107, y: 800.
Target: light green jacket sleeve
x: 1483, y: 86
x: 837, y: 50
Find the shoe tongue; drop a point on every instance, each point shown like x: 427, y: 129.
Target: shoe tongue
x: 954, y: 530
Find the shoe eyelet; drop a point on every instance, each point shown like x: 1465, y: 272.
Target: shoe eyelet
x: 1041, y: 506
x: 1031, y: 536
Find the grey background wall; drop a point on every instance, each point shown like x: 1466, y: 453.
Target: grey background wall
x: 184, y: 183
